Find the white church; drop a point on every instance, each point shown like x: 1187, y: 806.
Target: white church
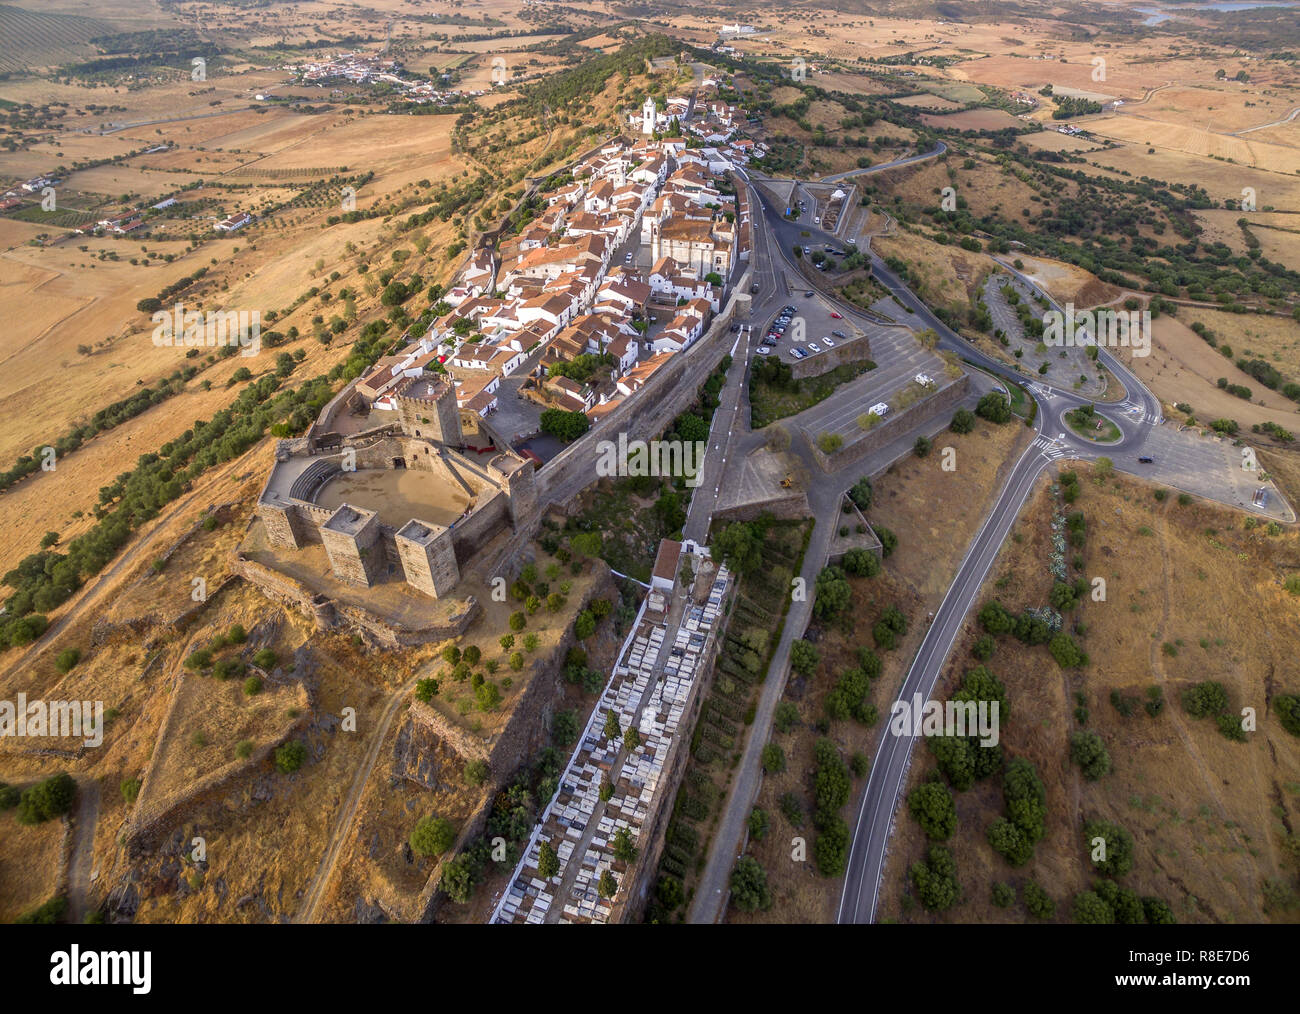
x: 651, y: 119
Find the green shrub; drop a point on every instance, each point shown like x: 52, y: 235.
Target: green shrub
x: 476, y: 772
x: 48, y: 799
x: 931, y: 805
x: 1038, y: 902
x: 935, y: 880
x: 433, y: 836
x: 289, y: 756
x: 67, y: 658
x: 1118, y: 845
x: 52, y: 912
x: 252, y: 686
x: 749, y: 890
x: 773, y: 759
x: 1287, y: 709
x: 1089, y: 751
x: 426, y: 690
x: 786, y: 716
x: 1207, y: 698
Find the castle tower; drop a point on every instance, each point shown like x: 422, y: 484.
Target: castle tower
x: 354, y: 545
x: 648, y: 116
x: 428, y: 557
x: 520, y: 485
x: 427, y: 407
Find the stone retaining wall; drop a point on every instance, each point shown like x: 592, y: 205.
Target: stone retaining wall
x: 890, y: 429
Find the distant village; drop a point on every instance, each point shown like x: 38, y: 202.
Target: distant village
x: 373, y: 69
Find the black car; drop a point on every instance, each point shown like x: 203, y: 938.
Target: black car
x: 1146, y: 460
x: 809, y: 294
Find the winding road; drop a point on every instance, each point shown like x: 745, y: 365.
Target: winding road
x: 1135, y: 415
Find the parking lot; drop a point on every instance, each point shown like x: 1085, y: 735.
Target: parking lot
x: 899, y: 358
x: 810, y: 331
x: 1208, y: 466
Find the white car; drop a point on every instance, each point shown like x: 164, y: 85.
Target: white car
x: 817, y: 221
x: 627, y: 259
x: 812, y: 347
x: 763, y: 350
x: 879, y: 409
x: 828, y: 343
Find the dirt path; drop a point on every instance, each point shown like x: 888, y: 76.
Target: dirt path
x: 314, y: 896
x: 1276, y: 123
x: 83, y: 846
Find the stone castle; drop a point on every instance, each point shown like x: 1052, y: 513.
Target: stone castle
x: 363, y: 549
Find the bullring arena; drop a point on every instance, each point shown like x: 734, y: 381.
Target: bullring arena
x: 382, y: 524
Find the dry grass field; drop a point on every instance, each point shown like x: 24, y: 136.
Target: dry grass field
x: 1201, y: 140
x: 944, y: 275
x: 1206, y: 813
x: 972, y: 119
x: 1183, y: 368
x: 1253, y: 336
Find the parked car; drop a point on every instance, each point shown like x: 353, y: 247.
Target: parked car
x: 814, y: 347
x: 817, y: 221
x: 828, y: 343
x: 840, y: 334
x: 763, y: 350
x: 628, y: 259
x: 799, y: 353
x: 880, y: 409
x: 1145, y: 460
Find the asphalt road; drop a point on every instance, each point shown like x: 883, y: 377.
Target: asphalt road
x: 1135, y: 415
x: 889, y: 767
